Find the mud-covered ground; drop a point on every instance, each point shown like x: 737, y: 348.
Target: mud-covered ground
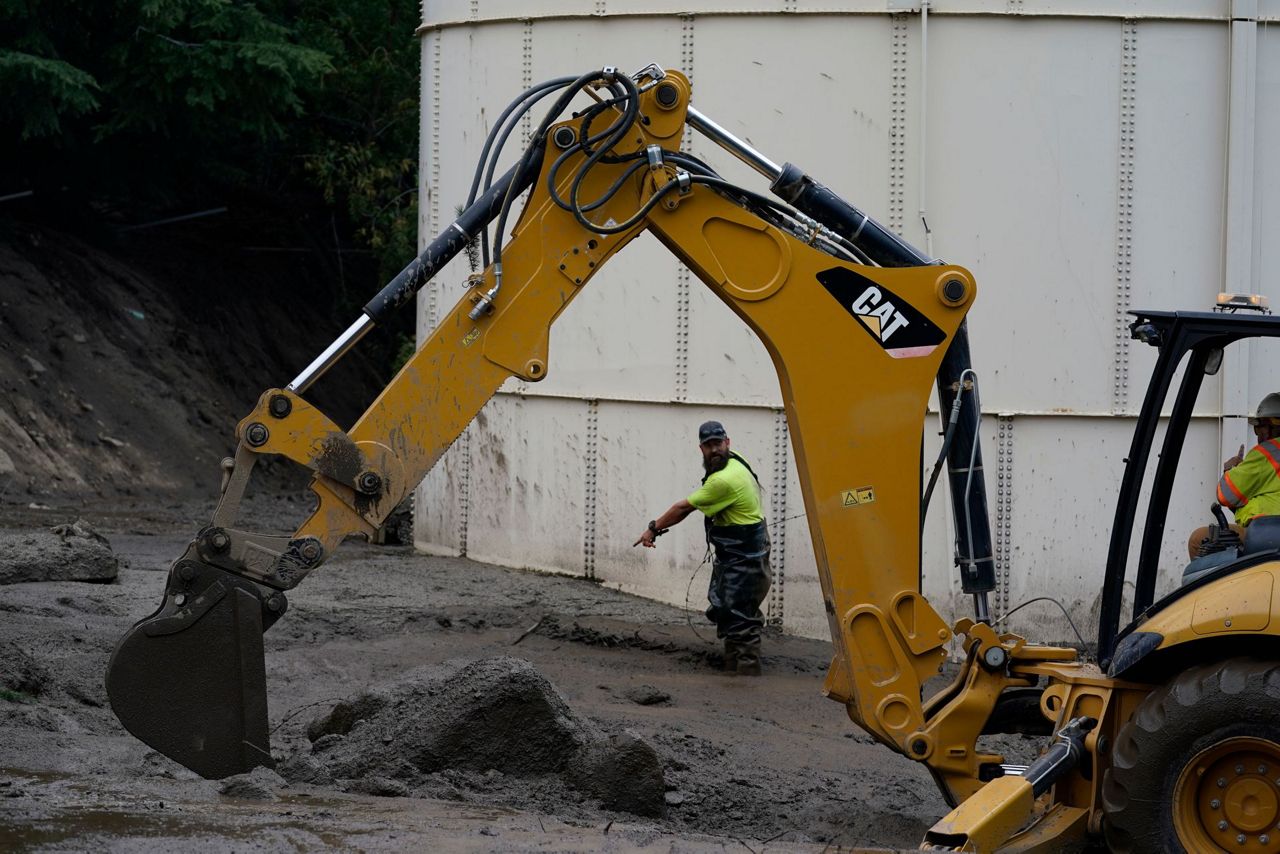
x: 749, y: 764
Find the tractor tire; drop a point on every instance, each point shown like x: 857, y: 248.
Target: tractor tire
x: 1197, y: 767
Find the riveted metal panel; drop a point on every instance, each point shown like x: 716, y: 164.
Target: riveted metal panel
x: 648, y: 460
x: 1265, y: 356
x: 461, y: 12
x: 1075, y: 157
x: 804, y: 612
x: 1022, y: 168
x: 528, y: 483
x: 619, y: 338
x: 727, y: 361
x: 437, y: 520
x: 777, y: 520
x: 851, y: 88
x: 1067, y: 473
x: 1124, y: 215
x: 590, y: 496
x: 827, y: 111
x: 1180, y: 140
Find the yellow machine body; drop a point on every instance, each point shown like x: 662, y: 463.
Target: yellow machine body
x: 854, y: 403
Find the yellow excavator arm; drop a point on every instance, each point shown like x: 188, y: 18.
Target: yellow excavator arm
x: 857, y: 345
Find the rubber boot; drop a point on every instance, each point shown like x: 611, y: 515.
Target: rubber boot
x: 748, y: 664
x: 746, y: 658
x: 730, y: 656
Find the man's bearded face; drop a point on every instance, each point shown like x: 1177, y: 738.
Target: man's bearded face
x: 715, y: 455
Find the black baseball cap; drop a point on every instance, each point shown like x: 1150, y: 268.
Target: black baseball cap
x: 711, y: 430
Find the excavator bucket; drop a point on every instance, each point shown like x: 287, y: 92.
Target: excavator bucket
x: 190, y: 680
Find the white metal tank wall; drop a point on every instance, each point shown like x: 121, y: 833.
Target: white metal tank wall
x: 1081, y: 158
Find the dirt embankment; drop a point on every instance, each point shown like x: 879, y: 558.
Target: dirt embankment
x: 126, y: 361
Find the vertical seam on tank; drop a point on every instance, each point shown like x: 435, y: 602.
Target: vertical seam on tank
x: 778, y: 515
x: 686, y: 65
x: 591, y: 495
x: 464, y: 488
x: 1004, y: 510
x: 683, y: 286
x: 433, y: 292
x: 684, y: 278
x: 526, y: 76
x: 1124, y: 214
x: 898, y: 123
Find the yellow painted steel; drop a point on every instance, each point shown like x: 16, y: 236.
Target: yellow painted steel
x: 855, y: 408
x: 1227, y: 791
x: 986, y: 820
x: 1240, y: 605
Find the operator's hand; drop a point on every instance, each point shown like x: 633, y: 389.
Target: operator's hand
x: 1234, y: 461
x: 646, y: 539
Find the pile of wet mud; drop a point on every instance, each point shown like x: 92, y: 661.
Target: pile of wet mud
x: 495, y: 725
x: 69, y: 552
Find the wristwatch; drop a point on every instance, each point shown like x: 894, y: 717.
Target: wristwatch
x: 657, y: 532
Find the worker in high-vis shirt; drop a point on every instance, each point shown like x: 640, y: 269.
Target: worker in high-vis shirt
x: 1250, y: 482
x: 729, y: 498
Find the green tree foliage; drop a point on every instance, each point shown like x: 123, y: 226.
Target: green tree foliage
x: 363, y: 149
x: 149, y: 104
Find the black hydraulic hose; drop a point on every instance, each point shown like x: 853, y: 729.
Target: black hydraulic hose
x: 584, y: 146
x: 613, y: 188
x: 524, y: 102
x: 942, y: 455
x: 499, y: 133
x: 449, y: 242
x: 623, y: 125
x: 536, y: 147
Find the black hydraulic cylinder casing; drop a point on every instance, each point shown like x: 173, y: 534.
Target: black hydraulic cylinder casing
x: 880, y: 245
x: 452, y: 240
x: 1063, y: 755
x: 973, y: 526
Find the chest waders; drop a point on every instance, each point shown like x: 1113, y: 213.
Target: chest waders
x: 740, y: 580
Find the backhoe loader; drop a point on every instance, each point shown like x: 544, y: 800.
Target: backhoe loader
x: 1170, y: 740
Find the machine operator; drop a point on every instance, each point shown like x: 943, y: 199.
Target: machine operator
x: 1250, y: 483
x: 730, y: 499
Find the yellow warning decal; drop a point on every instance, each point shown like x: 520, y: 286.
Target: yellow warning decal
x: 470, y: 337
x: 861, y: 495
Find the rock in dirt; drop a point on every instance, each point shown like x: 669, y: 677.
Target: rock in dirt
x: 73, y: 552
x: 381, y: 787
x: 21, y: 674
x: 647, y: 695
x: 260, y: 784
x: 306, y: 770
x: 624, y: 772
x: 495, y: 714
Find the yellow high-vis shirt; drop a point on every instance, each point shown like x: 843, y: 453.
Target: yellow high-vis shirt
x: 1253, y: 487
x: 729, y: 496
